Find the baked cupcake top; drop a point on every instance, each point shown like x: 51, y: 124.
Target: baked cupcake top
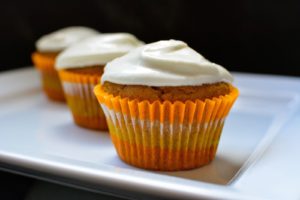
x: 97, y: 50
x: 164, y: 63
x: 63, y: 38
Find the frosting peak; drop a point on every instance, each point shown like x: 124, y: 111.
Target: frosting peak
x: 63, y: 38
x: 166, y: 54
x: 164, y: 63
x: 97, y: 50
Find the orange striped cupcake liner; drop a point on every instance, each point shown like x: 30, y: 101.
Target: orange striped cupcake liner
x: 50, y: 79
x: 85, y: 109
x: 164, y: 135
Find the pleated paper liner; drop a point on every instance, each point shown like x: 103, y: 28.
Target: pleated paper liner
x: 85, y: 109
x: 50, y: 79
x: 163, y: 135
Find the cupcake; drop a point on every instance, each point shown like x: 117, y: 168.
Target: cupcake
x: 48, y: 47
x: 80, y: 68
x: 165, y: 106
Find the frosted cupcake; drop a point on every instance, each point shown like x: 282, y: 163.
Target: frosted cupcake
x: 80, y: 68
x: 48, y: 47
x: 165, y: 106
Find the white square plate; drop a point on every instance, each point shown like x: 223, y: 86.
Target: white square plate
x: 38, y: 138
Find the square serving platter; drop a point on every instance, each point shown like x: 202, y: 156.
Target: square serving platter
x: 258, y: 155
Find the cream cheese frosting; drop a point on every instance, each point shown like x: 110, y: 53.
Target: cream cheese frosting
x: 63, y: 38
x: 164, y: 63
x: 97, y: 50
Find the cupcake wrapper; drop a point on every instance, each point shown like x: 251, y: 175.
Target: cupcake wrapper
x: 50, y: 79
x: 81, y: 100
x: 164, y: 135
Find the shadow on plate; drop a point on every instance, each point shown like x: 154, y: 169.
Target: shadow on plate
x: 220, y: 171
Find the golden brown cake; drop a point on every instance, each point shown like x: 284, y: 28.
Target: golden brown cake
x: 175, y: 93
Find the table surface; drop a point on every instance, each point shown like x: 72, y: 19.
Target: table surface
x: 257, y: 156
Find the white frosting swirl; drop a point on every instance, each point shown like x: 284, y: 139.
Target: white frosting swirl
x: 164, y: 63
x: 97, y: 50
x: 63, y: 38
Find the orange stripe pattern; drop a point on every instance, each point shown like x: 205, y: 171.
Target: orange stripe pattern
x: 81, y: 100
x: 164, y: 135
x: 50, y: 79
